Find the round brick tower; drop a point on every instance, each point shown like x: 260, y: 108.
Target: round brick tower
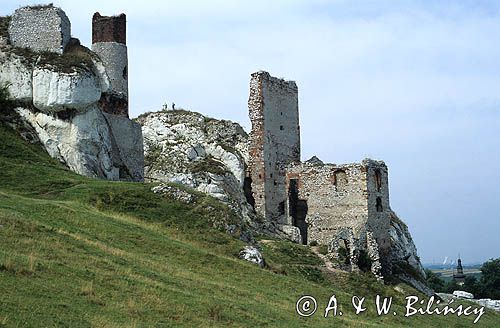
x: 109, y: 42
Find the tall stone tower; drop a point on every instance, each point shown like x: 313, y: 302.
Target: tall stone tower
x: 274, y: 141
x: 109, y: 42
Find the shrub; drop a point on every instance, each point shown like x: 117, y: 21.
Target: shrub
x: 434, y: 281
x: 210, y: 165
x: 364, y: 261
x: 5, y: 102
x: 4, y: 26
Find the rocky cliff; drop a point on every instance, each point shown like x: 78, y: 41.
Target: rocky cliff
x: 202, y: 153
x: 58, y: 95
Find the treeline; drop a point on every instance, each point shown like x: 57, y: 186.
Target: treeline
x: 488, y: 286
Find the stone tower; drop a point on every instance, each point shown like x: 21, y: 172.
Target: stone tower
x: 274, y: 141
x: 109, y: 42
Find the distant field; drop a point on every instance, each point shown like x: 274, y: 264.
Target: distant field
x: 447, y: 274
x: 446, y: 271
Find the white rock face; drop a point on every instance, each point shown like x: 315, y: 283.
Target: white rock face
x: 17, y: 75
x: 402, y: 246
x: 292, y: 233
x: 86, y: 143
x: 82, y: 143
x: 462, y: 294
x: 85, y: 139
x: 252, y: 254
x: 201, y: 153
x: 56, y: 91
x: 102, y: 75
x: 128, y: 151
x: 486, y: 302
x: 489, y: 303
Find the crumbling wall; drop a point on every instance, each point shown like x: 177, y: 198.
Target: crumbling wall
x: 336, y: 197
x: 379, y: 209
x: 40, y: 28
x: 274, y: 141
x: 109, y: 28
x: 347, y: 209
x: 109, y: 42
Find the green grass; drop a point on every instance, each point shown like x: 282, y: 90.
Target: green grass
x: 80, y: 252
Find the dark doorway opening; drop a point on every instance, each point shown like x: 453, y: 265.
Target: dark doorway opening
x: 247, y: 189
x: 379, y: 205
x: 378, y: 179
x: 298, y: 209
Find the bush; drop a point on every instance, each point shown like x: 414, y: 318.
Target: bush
x: 364, y: 261
x: 434, y: 282
x: 210, y: 165
x: 4, y: 26
x: 5, y: 102
x: 490, y: 279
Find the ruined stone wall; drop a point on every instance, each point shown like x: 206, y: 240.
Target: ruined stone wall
x: 274, y: 142
x: 109, y: 28
x: 379, y: 211
x: 40, y: 28
x: 109, y: 42
x: 335, y: 195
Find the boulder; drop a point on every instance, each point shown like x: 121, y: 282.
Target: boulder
x: 462, y: 294
x: 489, y: 303
x: 55, y: 91
x: 252, y: 254
x: 291, y: 233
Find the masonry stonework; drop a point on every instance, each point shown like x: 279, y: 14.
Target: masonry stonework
x: 79, y: 110
x: 343, y: 206
x: 109, y: 28
x: 40, y: 28
x: 274, y: 141
x: 109, y: 42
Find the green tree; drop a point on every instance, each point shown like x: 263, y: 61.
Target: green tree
x: 5, y: 102
x: 490, y: 279
x: 471, y: 285
x: 451, y: 286
x: 434, y: 281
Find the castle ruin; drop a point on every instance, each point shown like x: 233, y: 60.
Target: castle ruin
x: 75, y: 98
x: 343, y: 206
x: 40, y: 28
x: 274, y: 141
x: 109, y: 42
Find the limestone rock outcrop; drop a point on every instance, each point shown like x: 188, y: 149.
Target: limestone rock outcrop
x: 16, y: 74
x: 55, y: 91
x: 402, y: 245
x: 58, y: 95
x: 253, y: 255
x: 83, y: 143
x: 205, y: 154
x: 458, y: 294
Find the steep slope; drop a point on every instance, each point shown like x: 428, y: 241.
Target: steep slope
x: 80, y: 252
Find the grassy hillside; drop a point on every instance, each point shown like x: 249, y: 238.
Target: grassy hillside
x: 79, y: 252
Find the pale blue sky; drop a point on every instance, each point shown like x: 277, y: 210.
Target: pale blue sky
x: 414, y: 83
